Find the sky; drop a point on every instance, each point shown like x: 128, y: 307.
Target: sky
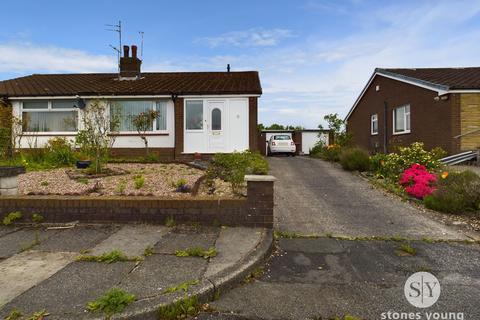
x: 313, y: 56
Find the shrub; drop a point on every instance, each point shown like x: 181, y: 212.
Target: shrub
x: 60, y: 151
x: 139, y: 181
x: 418, y: 182
x: 12, y: 217
x: 353, y: 159
x: 391, y: 166
x: 232, y: 167
x: 330, y: 153
x: 456, y: 193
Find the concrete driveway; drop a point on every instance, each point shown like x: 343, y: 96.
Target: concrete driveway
x: 328, y: 277
x: 316, y: 197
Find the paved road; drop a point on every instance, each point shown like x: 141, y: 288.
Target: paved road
x: 325, y: 277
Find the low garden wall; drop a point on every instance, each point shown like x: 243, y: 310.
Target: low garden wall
x: 256, y: 210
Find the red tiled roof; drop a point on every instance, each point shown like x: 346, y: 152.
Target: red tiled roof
x: 191, y: 83
x: 451, y: 78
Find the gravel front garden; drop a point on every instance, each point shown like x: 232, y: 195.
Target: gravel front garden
x: 126, y: 179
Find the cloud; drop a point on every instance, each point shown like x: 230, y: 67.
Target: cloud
x: 27, y: 58
x: 256, y: 37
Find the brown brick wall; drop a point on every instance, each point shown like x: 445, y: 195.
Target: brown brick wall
x: 178, y: 127
x: 253, y: 123
x: 163, y: 154
x: 255, y: 211
x: 432, y: 122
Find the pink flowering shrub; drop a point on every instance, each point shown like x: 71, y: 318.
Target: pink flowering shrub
x: 418, y: 182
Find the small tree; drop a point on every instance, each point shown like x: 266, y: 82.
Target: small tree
x: 18, y: 127
x: 95, y: 138
x: 338, y: 127
x: 143, y: 122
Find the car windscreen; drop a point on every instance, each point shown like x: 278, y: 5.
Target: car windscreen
x: 282, y: 137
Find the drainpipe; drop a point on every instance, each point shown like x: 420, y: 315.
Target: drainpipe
x: 385, y: 132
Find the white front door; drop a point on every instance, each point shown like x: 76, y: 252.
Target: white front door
x: 216, y: 138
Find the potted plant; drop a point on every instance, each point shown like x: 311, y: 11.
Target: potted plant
x: 83, y: 162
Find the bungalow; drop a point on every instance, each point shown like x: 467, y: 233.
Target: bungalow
x: 437, y: 106
x: 198, y: 112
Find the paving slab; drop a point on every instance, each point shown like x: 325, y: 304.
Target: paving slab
x: 183, y: 240
x: 7, y: 229
x: 131, y: 239
x: 312, y: 245
x: 77, y: 239
x: 13, y: 243
x: 232, y: 244
x: 25, y: 270
x: 65, y: 294
x: 159, y: 272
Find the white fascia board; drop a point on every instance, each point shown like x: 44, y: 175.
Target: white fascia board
x: 418, y: 84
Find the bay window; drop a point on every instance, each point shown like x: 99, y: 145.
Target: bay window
x: 49, y: 116
x: 401, y: 119
x: 128, y: 109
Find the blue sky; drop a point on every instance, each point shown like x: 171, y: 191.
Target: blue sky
x: 314, y: 56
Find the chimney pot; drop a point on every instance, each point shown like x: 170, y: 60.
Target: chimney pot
x: 125, y: 51
x: 134, y: 51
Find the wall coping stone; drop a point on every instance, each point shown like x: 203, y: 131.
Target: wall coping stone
x: 255, y: 178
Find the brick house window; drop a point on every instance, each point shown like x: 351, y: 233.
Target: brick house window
x: 401, y: 119
x: 374, y: 124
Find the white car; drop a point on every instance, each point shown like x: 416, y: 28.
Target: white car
x: 281, y: 143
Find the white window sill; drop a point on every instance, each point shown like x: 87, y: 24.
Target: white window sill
x: 374, y: 134
x: 52, y: 133
x: 401, y: 132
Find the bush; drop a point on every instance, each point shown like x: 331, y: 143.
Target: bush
x: 232, y: 167
x: 60, y: 151
x: 458, y: 192
x: 353, y: 159
x: 330, y: 153
x: 391, y: 166
x: 418, y: 182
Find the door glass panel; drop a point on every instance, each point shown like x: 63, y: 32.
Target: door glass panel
x: 216, y: 119
x: 194, y: 115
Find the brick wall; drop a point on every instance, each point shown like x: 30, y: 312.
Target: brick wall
x: 432, y: 121
x: 163, y: 154
x: 178, y: 106
x: 469, y: 121
x: 253, y: 123
x: 254, y: 211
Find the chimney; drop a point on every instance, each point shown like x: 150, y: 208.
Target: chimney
x: 130, y: 66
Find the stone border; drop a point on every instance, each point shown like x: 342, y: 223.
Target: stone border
x: 207, y: 289
x: 256, y: 210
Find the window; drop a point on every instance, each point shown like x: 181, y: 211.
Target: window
x: 374, y: 124
x: 401, y: 119
x: 129, y: 109
x: 216, y: 119
x: 194, y: 115
x: 49, y: 116
x: 282, y: 137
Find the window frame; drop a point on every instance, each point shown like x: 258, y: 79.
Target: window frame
x: 185, y: 116
x: 49, y: 109
x: 406, y: 115
x: 374, y: 118
x: 154, y: 107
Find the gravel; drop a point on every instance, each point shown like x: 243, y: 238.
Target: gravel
x: 158, y: 181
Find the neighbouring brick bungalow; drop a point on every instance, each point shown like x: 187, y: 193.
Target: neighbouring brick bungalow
x: 204, y: 112
x: 437, y: 106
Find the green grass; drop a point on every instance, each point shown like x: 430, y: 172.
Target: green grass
x: 37, y: 218
x: 188, y: 306
x: 148, y: 251
x: 39, y: 315
x: 82, y: 180
x: 108, y: 257
x: 15, y: 314
x: 406, y: 248
x: 12, y: 217
x: 170, y: 222
x: 197, y: 252
x: 44, y: 183
x: 122, y: 185
x: 139, y: 181
x: 113, y: 301
x: 184, y: 286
